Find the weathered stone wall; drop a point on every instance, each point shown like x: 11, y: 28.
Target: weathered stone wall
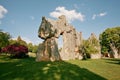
x: 69, y: 43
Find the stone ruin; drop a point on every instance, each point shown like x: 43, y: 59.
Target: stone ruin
x: 50, y: 31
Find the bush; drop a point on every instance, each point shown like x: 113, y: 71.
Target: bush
x: 0, y: 50
x: 16, y: 51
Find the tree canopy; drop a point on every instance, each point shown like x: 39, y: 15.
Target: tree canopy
x: 19, y: 41
x: 111, y: 36
x: 4, y: 39
x: 92, y: 45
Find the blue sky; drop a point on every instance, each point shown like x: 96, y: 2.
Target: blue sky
x: 23, y: 17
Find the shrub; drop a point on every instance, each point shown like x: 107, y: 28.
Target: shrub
x: 0, y: 50
x: 16, y: 51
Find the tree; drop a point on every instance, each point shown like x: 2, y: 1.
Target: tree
x: 30, y: 47
x: 35, y: 49
x: 91, y: 47
x: 4, y: 39
x: 110, y: 41
x: 19, y: 41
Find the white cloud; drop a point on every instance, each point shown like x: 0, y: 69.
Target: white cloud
x: 71, y: 15
x: 103, y: 14
x: 3, y: 11
x: 99, y: 15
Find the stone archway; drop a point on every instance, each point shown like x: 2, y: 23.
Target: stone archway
x: 50, y: 30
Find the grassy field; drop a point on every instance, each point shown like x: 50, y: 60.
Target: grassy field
x: 28, y: 69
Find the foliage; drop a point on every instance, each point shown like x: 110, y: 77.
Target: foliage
x: 90, y: 47
x: 16, y: 51
x: 35, y: 49
x: 4, y: 39
x: 110, y: 35
x: 19, y: 41
x: 32, y: 48
x: 0, y: 50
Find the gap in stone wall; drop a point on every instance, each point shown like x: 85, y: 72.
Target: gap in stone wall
x: 60, y: 43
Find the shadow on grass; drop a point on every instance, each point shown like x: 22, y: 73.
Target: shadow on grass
x: 28, y: 69
x: 113, y: 61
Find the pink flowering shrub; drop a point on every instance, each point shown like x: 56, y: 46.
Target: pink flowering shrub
x: 17, y: 51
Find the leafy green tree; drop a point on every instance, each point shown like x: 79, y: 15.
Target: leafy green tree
x: 4, y: 39
x: 30, y: 47
x: 90, y: 46
x: 110, y: 40
x: 11, y: 41
x: 19, y: 41
x: 35, y: 49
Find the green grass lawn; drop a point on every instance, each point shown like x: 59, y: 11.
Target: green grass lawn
x: 28, y: 69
